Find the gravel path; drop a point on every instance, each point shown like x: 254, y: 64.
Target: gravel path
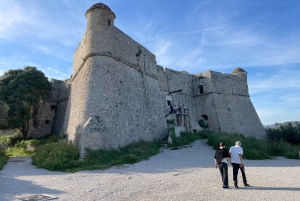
x: 185, y: 174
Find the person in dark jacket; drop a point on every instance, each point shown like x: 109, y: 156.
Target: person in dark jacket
x: 222, y: 158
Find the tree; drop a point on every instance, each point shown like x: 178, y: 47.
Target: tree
x: 288, y: 132
x: 21, y: 90
x: 3, y: 112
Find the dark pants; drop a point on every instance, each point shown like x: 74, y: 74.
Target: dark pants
x: 236, y: 168
x: 223, y: 167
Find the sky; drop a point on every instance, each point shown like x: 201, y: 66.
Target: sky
x: 260, y: 36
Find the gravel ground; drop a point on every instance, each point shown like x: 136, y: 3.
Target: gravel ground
x: 185, y: 174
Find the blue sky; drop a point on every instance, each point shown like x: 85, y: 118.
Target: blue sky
x: 260, y: 36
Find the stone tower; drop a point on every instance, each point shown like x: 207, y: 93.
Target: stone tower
x: 115, y: 98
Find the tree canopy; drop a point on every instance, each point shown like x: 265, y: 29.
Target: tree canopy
x: 22, y: 89
x: 3, y: 111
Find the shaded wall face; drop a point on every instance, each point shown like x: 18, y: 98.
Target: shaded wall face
x: 42, y: 119
x: 74, y: 116
x: 170, y: 81
x: 126, y: 104
x: 236, y: 114
x: 63, y: 89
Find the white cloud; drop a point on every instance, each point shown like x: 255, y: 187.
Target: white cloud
x: 161, y: 50
x: 58, y: 74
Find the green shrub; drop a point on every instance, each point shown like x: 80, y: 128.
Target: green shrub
x: 19, y: 147
x: 170, y: 121
x: 203, y: 124
x: 3, y: 159
x: 57, y: 156
x: 286, y: 132
x: 10, y: 140
x: 65, y: 157
x: 255, y: 149
x: 184, y: 139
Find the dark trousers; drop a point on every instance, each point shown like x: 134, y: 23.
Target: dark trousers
x: 223, y: 167
x: 236, y: 168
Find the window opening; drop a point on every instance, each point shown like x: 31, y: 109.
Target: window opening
x: 201, y: 89
x: 108, y: 22
x: 205, y: 117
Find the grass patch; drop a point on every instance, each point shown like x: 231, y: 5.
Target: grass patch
x: 57, y: 156
x: 184, y: 139
x: 61, y: 156
x: 14, y: 145
x: 18, y: 147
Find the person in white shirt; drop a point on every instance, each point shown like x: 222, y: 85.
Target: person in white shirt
x: 236, y: 156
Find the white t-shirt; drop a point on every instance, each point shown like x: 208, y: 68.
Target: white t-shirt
x: 235, y: 151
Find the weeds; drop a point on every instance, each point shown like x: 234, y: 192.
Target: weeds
x: 57, y: 156
x: 62, y: 156
x: 184, y: 139
x: 3, y: 159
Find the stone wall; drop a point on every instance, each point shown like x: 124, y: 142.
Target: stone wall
x: 63, y: 89
x: 226, y: 103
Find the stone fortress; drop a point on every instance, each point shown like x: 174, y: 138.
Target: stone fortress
x: 118, y: 94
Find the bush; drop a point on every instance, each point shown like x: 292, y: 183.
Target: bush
x: 286, y: 132
x: 57, y: 156
x: 3, y: 159
x: 255, y: 149
x: 170, y: 121
x: 203, y: 124
x: 10, y: 140
x: 184, y: 139
x: 65, y: 157
x: 19, y: 149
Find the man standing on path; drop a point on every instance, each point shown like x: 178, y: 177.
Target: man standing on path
x: 221, y: 158
x: 236, y: 153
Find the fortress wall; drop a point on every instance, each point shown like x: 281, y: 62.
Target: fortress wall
x: 80, y: 54
x: 227, y: 104
x: 181, y: 80
x: 42, y: 120
x: 43, y: 114
x: 112, y: 42
x: 206, y: 106
x: 125, y: 48
x: 236, y: 114
x: 124, y: 105
x: 162, y: 79
x: 58, y: 121
x: 61, y: 106
x: 77, y: 104
x: 225, y: 83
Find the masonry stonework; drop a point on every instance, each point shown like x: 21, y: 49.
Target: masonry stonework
x: 118, y: 94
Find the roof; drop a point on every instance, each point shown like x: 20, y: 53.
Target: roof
x: 238, y: 70
x: 98, y: 6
